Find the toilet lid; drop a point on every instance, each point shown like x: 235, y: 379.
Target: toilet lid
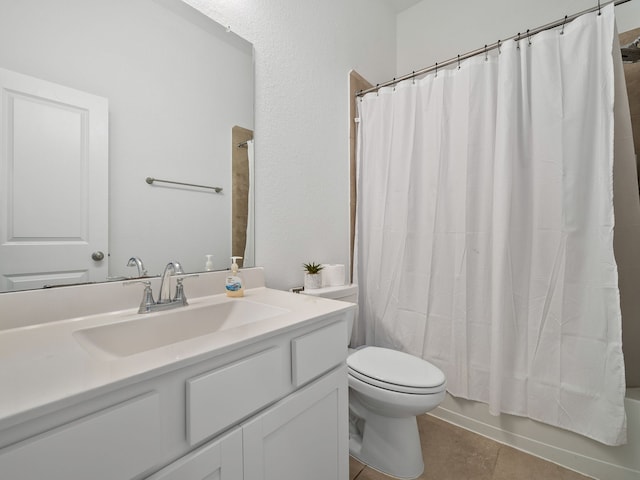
x: 390, y: 369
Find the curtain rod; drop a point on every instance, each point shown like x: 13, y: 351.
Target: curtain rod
x: 486, y: 48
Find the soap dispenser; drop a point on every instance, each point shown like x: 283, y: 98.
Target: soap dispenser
x: 233, y: 284
x: 209, y: 263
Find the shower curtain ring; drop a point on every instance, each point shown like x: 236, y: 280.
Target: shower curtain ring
x: 518, y: 41
x: 436, y: 69
x: 563, y: 23
x: 599, y: 12
x: 413, y: 78
x: 486, y: 54
x: 458, y: 61
x: 394, y: 84
x: 528, y: 38
x: 377, y: 89
x: 499, y: 43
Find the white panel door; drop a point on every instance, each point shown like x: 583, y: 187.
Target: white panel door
x: 53, y: 184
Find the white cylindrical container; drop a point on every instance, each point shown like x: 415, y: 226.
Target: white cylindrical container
x: 333, y: 275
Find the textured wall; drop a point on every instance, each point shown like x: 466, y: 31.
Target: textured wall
x: 303, y: 53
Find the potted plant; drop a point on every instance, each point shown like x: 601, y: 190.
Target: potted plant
x: 312, y: 276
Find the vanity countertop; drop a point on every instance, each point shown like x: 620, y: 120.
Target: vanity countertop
x: 44, y: 367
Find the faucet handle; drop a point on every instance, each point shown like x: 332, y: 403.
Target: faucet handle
x: 180, y: 296
x: 180, y: 276
x: 133, y: 282
x: 147, y: 296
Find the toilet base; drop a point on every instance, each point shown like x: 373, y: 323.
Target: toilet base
x: 390, y: 445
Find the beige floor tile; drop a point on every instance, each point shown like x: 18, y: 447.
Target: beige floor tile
x: 370, y: 474
x: 355, y: 467
x: 452, y: 453
x: 514, y: 464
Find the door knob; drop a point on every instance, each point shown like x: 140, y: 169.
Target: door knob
x: 97, y: 256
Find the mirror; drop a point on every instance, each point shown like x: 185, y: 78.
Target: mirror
x: 174, y: 84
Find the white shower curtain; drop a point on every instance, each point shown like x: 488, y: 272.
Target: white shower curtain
x: 485, y: 227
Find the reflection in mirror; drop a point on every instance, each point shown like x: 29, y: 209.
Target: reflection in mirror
x: 100, y: 95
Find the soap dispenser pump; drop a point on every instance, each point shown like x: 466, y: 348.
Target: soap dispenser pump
x: 233, y: 284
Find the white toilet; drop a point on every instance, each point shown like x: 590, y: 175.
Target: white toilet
x: 387, y: 389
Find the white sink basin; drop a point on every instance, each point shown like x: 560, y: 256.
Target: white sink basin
x: 154, y: 330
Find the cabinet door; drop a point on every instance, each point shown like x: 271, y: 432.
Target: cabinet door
x: 303, y: 436
x: 220, y: 459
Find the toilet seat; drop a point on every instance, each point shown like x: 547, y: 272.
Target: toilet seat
x: 395, y: 371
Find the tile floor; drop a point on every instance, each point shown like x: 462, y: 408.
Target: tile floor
x: 452, y: 453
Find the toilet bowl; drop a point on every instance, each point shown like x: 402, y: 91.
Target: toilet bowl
x: 387, y: 390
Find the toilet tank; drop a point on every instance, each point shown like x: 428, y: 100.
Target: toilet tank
x: 344, y: 293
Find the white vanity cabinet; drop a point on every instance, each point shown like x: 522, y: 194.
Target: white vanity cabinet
x: 272, y: 408
x: 302, y: 436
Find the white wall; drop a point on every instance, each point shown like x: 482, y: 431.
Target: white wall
x: 303, y: 53
x: 434, y: 31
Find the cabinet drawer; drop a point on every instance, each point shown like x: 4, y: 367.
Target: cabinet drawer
x: 222, y: 397
x: 318, y: 352
x: 119, y: 442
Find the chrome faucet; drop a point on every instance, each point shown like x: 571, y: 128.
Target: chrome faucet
x: 172, y: 268
x: 137, y: 262
x: 165, y: 302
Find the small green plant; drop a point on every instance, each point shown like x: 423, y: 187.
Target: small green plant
x: 312, y: 267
